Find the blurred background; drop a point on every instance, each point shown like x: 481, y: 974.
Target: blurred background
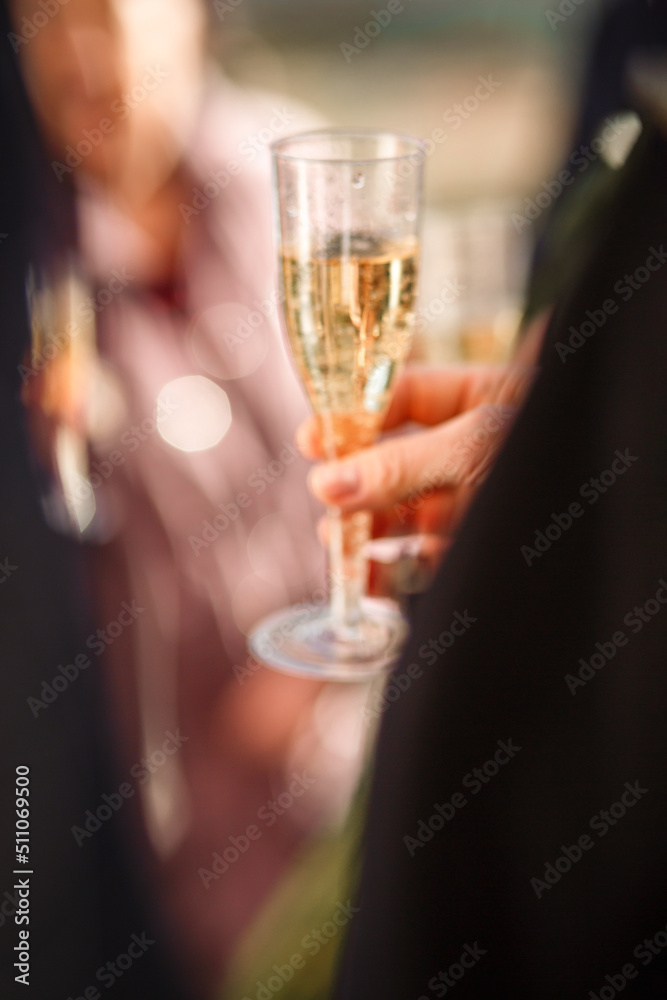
x: 159, y: 395
x: 420, y: 75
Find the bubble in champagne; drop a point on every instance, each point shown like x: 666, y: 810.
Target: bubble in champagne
x: 358, y: 180
x: 291, y: 211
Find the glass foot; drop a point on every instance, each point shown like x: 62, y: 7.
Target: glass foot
x: 310, y: 643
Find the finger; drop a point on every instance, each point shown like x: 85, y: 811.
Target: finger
x: 430, y: 396
x: 514, y: 384
x: 391, y: 550
x: 449, y: 455
x: 432, y: 514
x: 529, y: 346
x: 308, y: 438
x: 427, y: 395
x: 410, y: 562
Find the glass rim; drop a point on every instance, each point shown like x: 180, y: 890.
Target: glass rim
x: 351, y: 133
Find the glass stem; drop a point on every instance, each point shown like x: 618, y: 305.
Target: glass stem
x: 347, y: 565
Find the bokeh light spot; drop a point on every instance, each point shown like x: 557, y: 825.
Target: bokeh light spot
x: 197, y: 413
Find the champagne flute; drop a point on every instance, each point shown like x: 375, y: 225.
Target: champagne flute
x: 348, y: 207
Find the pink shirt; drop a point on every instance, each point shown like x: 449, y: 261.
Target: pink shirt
x: 205, y: 542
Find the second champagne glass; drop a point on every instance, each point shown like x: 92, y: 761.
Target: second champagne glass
x: 348, y: 215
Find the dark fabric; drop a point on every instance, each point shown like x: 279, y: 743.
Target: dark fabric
x: 83, y: 902
x: 626, y: 31
x: 504, y: 679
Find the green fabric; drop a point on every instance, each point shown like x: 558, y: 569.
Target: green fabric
x: 571, y: 232
x: 318, y: 888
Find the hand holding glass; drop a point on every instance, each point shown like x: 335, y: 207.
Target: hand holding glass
x: 348, y: 212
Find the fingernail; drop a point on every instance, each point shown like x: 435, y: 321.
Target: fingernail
x: 390, y: 550
x: 336, y: 481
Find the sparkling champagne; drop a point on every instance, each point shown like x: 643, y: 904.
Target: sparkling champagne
x: 349, y: 316
x: 348, y: 215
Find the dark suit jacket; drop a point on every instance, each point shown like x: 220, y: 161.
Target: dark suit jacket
x: 516, y: 843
